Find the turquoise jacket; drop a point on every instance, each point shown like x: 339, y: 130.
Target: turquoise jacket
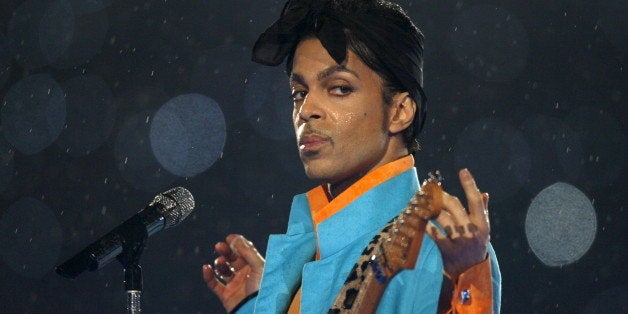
x: 341, y: 239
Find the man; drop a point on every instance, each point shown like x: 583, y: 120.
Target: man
x: 356, y: 77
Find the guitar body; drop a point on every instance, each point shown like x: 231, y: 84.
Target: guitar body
x: 396, y: 247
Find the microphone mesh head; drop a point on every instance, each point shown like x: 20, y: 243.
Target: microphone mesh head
x: 177, y: 203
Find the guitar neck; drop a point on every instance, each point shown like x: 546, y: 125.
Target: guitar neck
x: 369, y: 295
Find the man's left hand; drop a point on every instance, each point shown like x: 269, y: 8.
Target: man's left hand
x: 467, y: 233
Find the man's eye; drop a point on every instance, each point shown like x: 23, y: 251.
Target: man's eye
x: 341, y: 90
x: 298, y: 95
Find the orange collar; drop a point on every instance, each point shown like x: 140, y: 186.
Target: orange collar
x: 322, y: 207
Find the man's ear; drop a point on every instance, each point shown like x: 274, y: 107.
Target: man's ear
x: 401, y: 112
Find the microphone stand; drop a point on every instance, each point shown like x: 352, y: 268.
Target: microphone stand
x: 129, y: 258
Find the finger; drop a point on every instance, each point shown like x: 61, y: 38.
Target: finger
x: 484, y: 218
x: 233, y: 259
x: 212, y: 282
x: 452, y: 205
x: 448, y: 224
x: 474, y: 198
x: 441, y: 240
x: 223, y: 269
x: 245, y: 249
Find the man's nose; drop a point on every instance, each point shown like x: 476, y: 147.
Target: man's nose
x: 311, y: 107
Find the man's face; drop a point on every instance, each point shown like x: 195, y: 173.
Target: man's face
x: 339, y: 115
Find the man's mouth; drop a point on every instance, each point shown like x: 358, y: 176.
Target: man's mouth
x: 312, y: 142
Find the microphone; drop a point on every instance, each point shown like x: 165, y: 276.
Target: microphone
x: 166, y: 210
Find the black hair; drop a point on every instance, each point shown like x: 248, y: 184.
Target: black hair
x: 390, y: 84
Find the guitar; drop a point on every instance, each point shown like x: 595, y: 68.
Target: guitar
x: 395, y: 248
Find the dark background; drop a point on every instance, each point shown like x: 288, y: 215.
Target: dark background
x: 524, y: 93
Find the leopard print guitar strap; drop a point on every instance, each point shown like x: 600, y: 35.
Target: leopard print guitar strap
x: 393, y: 249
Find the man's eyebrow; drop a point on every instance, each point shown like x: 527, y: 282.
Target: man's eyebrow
x: 297, y: 78
x: 334, y: 69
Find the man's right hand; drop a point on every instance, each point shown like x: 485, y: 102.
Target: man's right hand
x: 239, y: 267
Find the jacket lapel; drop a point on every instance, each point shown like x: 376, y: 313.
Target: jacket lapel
x: 285, y: 257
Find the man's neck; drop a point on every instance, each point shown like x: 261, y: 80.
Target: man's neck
x: 335, y: 189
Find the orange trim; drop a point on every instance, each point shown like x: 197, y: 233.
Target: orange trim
x: 323, y: 208
x: 477, y: 281
x: 295, y: 305
x: 317, y: 198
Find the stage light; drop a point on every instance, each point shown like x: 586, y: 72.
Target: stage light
x: 560, y: 224
x: 91, y: 115
x: 489, y: 42
x: 497, y: 155
x: 187, y: 134
x: 134, y: 156
x: 33, y: 113
x: 267, y: 105
x: 31, y: 238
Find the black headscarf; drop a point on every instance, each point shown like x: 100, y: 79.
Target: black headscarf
x: 384, y: 28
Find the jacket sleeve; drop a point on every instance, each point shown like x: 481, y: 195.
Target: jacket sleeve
x: 247, y: 305
x: 478, y: 289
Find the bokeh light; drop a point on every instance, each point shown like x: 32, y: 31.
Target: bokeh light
x: 221, y: 72
x: 612, y: 19
x: 82, y: 7
x: 560, y: 224
x: 135, y: 158
x: 497, y: 155
x: 267, y: 103
x: 6, y: 164
x: 187, y: 134
x: 91, y: 115
x: 603, y: 143
x: 489, y: 42
x: 33, y: 113
x: 557, y: 152
x: 6, y: 58
x: 260, y: 14
x: 91, y: 25
x: 31, y: 238
x: 612, y: 300
x: 41, y: 31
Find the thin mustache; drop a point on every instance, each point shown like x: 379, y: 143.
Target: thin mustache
x: 308, y: 130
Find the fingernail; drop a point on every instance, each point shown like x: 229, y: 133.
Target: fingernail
x: 246, y: 244
x: 232, y: 245
x: 465, y: 174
